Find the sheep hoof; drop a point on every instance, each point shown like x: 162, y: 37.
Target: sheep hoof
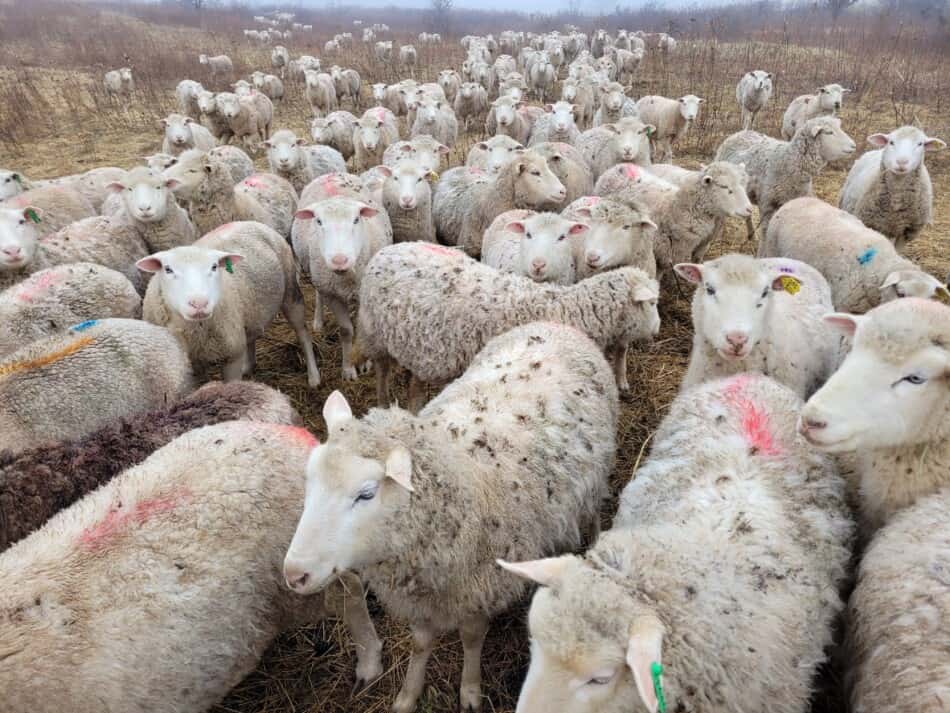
x: 349, y: 373
x: 471, y: 699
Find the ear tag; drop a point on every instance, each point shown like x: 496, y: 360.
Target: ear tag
x: 228, y: 266
x: 656, y: 671
x: 16, y: 177
x: 790, y: 285
x: 434, y: 176
x: 33, y: 216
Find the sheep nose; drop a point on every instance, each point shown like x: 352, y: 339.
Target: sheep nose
x: 338, y: 261
x: 198, y: 302
x: 812, y: 424
x: 296, y: 578
x: 538, y: 264
x: 737, y: 340
x: 12, y: 251
x: 837, y: 105
x: 406, y: 201
x: 902, y: 162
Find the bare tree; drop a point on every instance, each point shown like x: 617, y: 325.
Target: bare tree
x: 839, y: 6
x: 441, y: 10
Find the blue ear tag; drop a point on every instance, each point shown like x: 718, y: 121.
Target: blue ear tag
x: 228, y: 266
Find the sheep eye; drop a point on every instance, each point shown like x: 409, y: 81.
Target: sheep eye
x: 22, y: 221
x: 891, y: 142
x: 561, y: 237
x: 214, y: 267
x: 535, y: 173
x: 710, y: 290
x: 765, y: 292
x: 599, y: 681
x: 356, y: 220
x: 915, y: 379
x: 367, y: 492
x: 168, y: 270
x: 319, y: 222
x: 528, y: 236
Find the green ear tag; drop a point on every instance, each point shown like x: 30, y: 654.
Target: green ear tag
x: 656, y: 670
x: 228, y: 266
x: 31, y: 214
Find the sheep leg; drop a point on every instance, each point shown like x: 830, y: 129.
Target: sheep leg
x: 473, y: 633
x: 620, y: 367
x: 317, y: 312
x: 750, y: 228
x: 342, y: 314
x: 417, y: 394
x: 251, y: 361
x: 384, y: 369
x: 234, y: 369
x: 423, y: 641
x: 351, y: 607
x: 294, y: 312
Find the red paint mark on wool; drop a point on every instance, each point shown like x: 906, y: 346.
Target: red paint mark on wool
x: 439, y: 250
x: 254, y: 181
x: 36, y: 286
x: 381, y: 114
x: 756, y: 428
x: 299, y: 435
x: 120, y: 519
x: 476, y: 170
x: 591, y: 200
x: 631, y: 170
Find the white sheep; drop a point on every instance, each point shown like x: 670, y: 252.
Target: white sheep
x: 236, y: 161
x: 671, y: 117
x: 149, y: 204
x: 59, y: 204
x: 374, y: 132
x: 219, y: 65
x: 407, y: 198
x: 628, y: 62
x: 889, y: 189
x: 279, y: 59
x: 493, y: 154
x: 347, y: 83
x: 580, y: 93
x: 753, y: 93
x: 470, y: 103
x: 614, y: 105
x: 220, y: 294
x: 408, y: 59
x: 535, y: 245
x: 186, y: 93
x: 626, y: 141
x: 539, y: 400
x: 618, y: 235
x: 568, y: 165
x: 717, y: 587
x: 450, y: 81
x: 269, y: 85
x: 826, y: 101
x: 13, y: 183
x: 249, y: 118
x: 512, y: 118
x: 436, y: 119
x: 383, y: 51
x: 243, y: 88
x: 119, y: 84
x: 336, y: 130
x: 556, y: 124
x: 291, y: 159
x: 542, y: 75
x: 183, y: 133
x: 212, y: 119
x: 888, y: 405
x: 424, y: 149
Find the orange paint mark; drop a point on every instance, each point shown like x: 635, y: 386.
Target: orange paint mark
x: 120, y: 520
x: 45, y: 359
x: 754, y: 421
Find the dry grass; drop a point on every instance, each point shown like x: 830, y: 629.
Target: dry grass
x: 58, y: 121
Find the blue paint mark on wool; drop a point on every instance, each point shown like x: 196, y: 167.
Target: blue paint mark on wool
x: 83, y: 326
x: 866, y: 257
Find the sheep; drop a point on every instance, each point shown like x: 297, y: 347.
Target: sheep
x: 407, y: 198
x: 279, y: 59
x: 826, y: 101
x: 580, y: 93
x: 186, y: 93
x: 475, y: 302
x: 449, y: 210
x: 722, y: 569
x: 614, y: 105
x: 212, y: 119
x: 628, y: 62
x: 512, y: 118
x: 119, y: 83
x: 203, y: 180
x: 249, y: 118
x: 218, y: 65
x: 375, y: 131
x: 753, y: 93
x: 218, y: 310
x: 671, y: 117
x: 13, y: 183
x: 626, y: 141
x: 553, y: 418
x: 335, y: 130
x: 159, y: 624
x: 37, y: 483
x: 347, y: 83
x: 542, y: 76
x: 149, y: 204
x: 290, y: 159
x: 568, y: 165
x: 470, y: 103
x: 424, y: 149
x: 436, y: 119
x: 269, y: 85
x: 513, y: 86
x: 421, y: 93
x: 898, y: 633
x: 71, y: 383
x: 535, y: 245
x: 618, y: 235
x: 889, y: 189
x: 330, y: 185
x: 183, y: 133
x: 384, y: 52
x: 492, y: 155
x: 887, y: 405
x: 381, y: 95
x: 236, y: 162
x: 336, y: 242
x: 156, y: 162
x: 450, y: 81
x: 556, y: 124
x: 242, y: 88
x: 760, y: 316
x: 51, y: 300
x: 861, y: 265
x: 57, y: 206
x: 780, y: 171
x: 407, y: 59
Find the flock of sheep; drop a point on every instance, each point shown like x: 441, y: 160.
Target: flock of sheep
x: 157, y: 538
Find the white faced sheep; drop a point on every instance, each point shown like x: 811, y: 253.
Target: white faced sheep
x: 435, y: 118
x: 119, y: 84
x: 512, y: 118
x: 492, y: 155
x: 580, y: 93
x: 407, y: 198
x: 450, y: 81
x: 269, y: 85
x: 861, y: 265
x: 556, y: 124
x: 383, y: 51
x: 627, y: 141
x: 614, y: 105
x: 375, y: 131
x: 149, y: 204
x: 424, y: 149
x: 476, y: 302
x: 730, y: 546
x: 408, y: 59
x: 186, y: 93
x: 157, y: 162
x: 183, y: 133
x: 279, y: 59
x: 539, y: 398
x: 212, y: 119
x: 513, y: 86
x: 535, y: 245
x: 628, y: 62
x: 13, y: 183
x: 335, y: 239
x: 826, y: 101
x: 571, y: 170
x: 889, y: 405
x: 780, y: 171
x: 889, y: 189
x: 753, y: 93
x: 249, y: 118
x: 182, y: 631
x: 219, y: 65
x: 470, y: 103
x: 542, y: 76
x: 73, y: 382
x: 291, y: 159
x: 335, y: 130
x: 60, y: 205
x: 347, y: 84
x: 671, y: 117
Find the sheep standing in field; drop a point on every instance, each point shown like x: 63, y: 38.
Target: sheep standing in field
x: 183, y: 133
x: 119, y: 84
x: 618, y: 235
x: 512, y: 118
x: 335, y: 130
x: 374, y: 133
x: 435, y: 478
x: 535, y: 245
x: 149, y: 204
x: 182, y: 631
x: 212, y: 119
x: 470, y: 103
x: 825, y: 102
x: 671, y: 117
x: 475, y: 302
x: 407, y: 198
x: 54, y: 299
x: 719, y: 578
x: 423, y: 149
x: 889, y: 189
x: 780, y: 171
x: 408, y: 59
x: 542, y: 76
x: 436, y: 119
x: 74, y: 382
x: 292, y: 160
x: 627, y: 141
x: 279, y: 59
x: 450, y: 81
x: 628, y: 63
x: 889, y: 405
x: 249, y: 118
x: 492, y: 155
x: 581, y: 94
x: 556, y: 124
x: 269, y: 85
x: 898, y: 631
x: 347, y: 84
x: 219, y: 65
x: 614, y: 105
x: 336, y: 238
x: 37, y: 483
x: 753, y: 93
x: 861, y: 265
x: 187, y: 93
x: 220, y: 294
x: 568, y: 165
x: 760, y: 316
x: 383, y: 52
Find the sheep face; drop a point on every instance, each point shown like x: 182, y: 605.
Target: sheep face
x: 546, y: 247
x: 258, y: 79
x: 207, y: 103
x: 428, y: 111
x: 369, y: 132
x: 891, y: 384
x: 190, y: 278
x: 831, y: 96
x: 563, y: 113
x: 178, y: 130
x: 284, y: 152
x: 242, y: 88
x: 18, y: 237
x: 612, y: 97
x: 630, y: 138
x: 535, y: 183
x: 379, y: 93
x: 145, y: 195
x: 505, y: 109
x: 125, y: 74
x: 188, y: 175
x: 606, y: 243
x: 726, y: 185
x: 11, y: 184
x: 409, y: 181
x: 569, y: 90
x: 500, y: 153
x: 761, y: 81
x: 341, y: 231
x: 913, y: 283
x: 904, y: 148
x: 689, y: 107
x: 833, y: 143
x: 229, y: 105
x: 321, y: 131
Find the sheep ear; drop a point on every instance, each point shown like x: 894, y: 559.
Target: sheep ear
x: 547, y: 572
x: 336, y: 411
x: 483, y: 146
x: 304, y: 214
x: 399, y: 467
x: 645, y: 293
x: 33, y: 213
x: 942, y: 294
x: 647, y: 223
x: 228, y: 260
x: 548, y: 108
x: 116, y: 187
x: 934, y: 144
x: 644, y: 649
x: 689, y: 271
x: 385, y: 170
x: 152, y: 263
x: 443, y: 149
x: 301, y: 142
x: 583, y: 212
x: 172, y: 183
x: 578, y: 229
x: 268, y: 144
x: 878, y: 141
x: 844, y: 322
x: 367, y: 212
x: 516, y: 227
x: 815, y: 130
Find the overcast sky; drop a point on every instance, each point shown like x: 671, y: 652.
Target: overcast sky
x: 587, y: 6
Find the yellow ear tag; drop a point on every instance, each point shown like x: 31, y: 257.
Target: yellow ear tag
x: 791, y: 285
x: 433, y: 176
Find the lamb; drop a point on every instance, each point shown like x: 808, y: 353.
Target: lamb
x: 671, y: 117
x: 292, y: 160
x: 408, y: 58
x: 119, y: 83
x: 219, y: 65
x: 249, y: 118
x: 887, y: 405
x: 436, y: 119
x: 406, y: 282
x: 36, y: 484
x: 51, y: 300
x: 218, y: 307
x: 825, y: 102
x: 780, y: 171
x: 898, y: 632
x: 186, y: 93
x: 470, y: 103
x: 279, y: 59
x: 335, y: 130
x: 148, y: 203
x: 375, y: 131
x: 512, y: 118
x: 580, y: 93
x: 535, y: 245
x: 336, y: 243
x: 72, y: 383
x: 347, y: 83
x: 568, y: 165
x: 614, y: 105
x: 212, y: 119
x: 753, y: 93
x: 183, y: 133
x: 618, y: 235
x: 626, y: 141
x: 269, y: 85
x: 407, y: 198
x: 450, y: 81
x: 492, y: 155
x: 57, y: 206
x: 557, y: 124
x: 722, y: 568
x: 204, y: 181
x: 234, y: 489
x: 861, y: 265
x: 760, y: 316
x: 424, y: 149
x: 553, y: 418
x: 889, y: 189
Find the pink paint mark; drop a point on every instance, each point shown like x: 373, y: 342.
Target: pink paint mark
x: 381, y: 114
x: 476, y: 170
x: 119, y: 519
x: 299, y: 435
x: 754, y: 421
x: 630, y: 170
x: 591, y: 200
x: 36, y: 286
x: 254, y: 181
x: 21, y: 201
x: 439, y: 250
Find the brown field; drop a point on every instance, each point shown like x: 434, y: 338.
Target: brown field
x: 55, y: 119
